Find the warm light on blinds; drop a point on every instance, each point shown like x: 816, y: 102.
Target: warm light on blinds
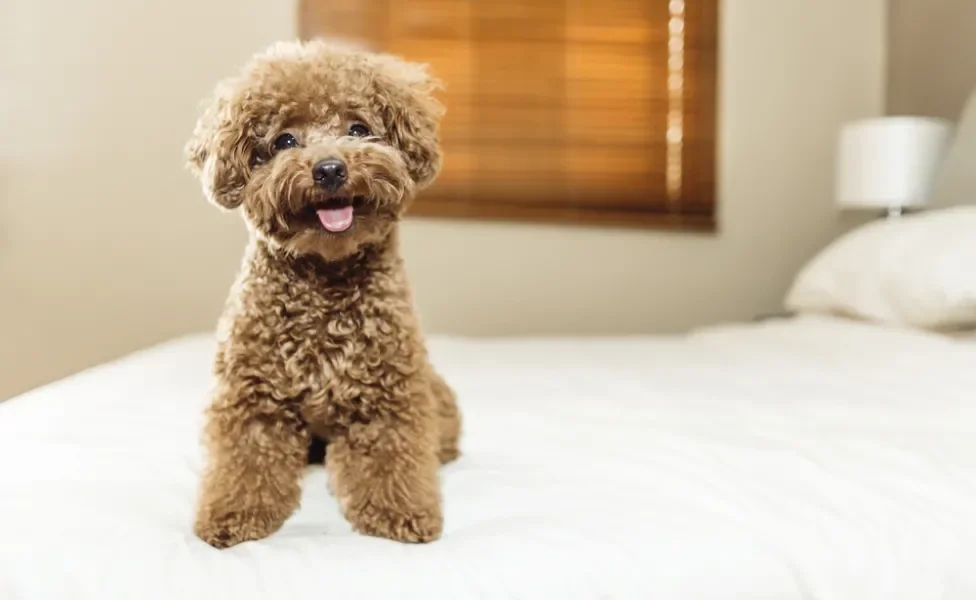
x: 676, y: 85
x: 595, y: 111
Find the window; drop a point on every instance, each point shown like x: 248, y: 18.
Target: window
x: 587, y: 111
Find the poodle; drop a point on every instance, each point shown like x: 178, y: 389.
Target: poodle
x: 322, y: 146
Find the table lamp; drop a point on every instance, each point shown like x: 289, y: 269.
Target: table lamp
x: 889, y: 163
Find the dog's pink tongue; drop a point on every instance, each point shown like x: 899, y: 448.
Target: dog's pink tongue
x: 336, y: 219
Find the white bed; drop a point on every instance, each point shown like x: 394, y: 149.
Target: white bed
x: 813, y: 458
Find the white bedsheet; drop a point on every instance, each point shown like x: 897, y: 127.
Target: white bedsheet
x: 814, y: 459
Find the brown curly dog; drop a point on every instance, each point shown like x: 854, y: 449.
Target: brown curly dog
x: 322, y: 147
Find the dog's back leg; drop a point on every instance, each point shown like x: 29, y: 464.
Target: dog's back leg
x: 449, y: 418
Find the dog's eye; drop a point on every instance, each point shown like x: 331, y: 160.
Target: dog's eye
x: 285, y: 141
x: 358, y: 130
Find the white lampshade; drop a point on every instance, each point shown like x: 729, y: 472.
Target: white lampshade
x: 889, y: 162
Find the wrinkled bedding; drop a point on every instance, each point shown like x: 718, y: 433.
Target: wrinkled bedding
x: 811, y: 458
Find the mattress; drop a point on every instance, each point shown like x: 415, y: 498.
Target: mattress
x: 812, y: 458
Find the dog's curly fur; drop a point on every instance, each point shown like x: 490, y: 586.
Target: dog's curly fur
x: 318, y: 337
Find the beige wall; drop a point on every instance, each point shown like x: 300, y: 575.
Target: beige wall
x: 932, y: 50
x: 106, y: 245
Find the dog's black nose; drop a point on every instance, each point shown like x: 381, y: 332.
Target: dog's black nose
x: 330, y: 173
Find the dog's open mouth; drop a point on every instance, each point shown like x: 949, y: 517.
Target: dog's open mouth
x: 337, y: 215
x: 336, y: 219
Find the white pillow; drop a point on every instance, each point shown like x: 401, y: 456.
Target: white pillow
x: 915, y: 271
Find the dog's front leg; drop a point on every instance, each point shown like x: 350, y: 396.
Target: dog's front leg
x: 257, y: 452
x: 384, y: 474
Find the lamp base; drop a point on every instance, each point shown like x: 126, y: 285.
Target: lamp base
x: 896, y: 212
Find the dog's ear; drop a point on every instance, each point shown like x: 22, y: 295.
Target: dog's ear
x: 217, y: 152
x: 412, y: 115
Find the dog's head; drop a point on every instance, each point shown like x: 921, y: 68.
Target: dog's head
x: 321, y: 145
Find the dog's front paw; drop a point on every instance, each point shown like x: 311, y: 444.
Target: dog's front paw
x: 229, y: 529
x: 416, y: 527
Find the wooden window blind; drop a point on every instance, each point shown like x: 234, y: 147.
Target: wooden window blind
x: 592, y: 111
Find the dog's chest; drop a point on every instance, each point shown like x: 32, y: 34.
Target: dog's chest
x: 335, y: 341
x: 343, y: 349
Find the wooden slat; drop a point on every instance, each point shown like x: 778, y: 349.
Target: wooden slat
x: 598, y: 216
x: 518, y: 20
x: 599, y: 74
x: 627, y: 123
x: 350, y: 19
x: 452, y: 61
x: 519, y: 72
x: 630, y: 176
x: 617, y: 21
x: 458, y: 122
x: 514, y: 125
x: 533, y: 175
x: 428, y: 19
